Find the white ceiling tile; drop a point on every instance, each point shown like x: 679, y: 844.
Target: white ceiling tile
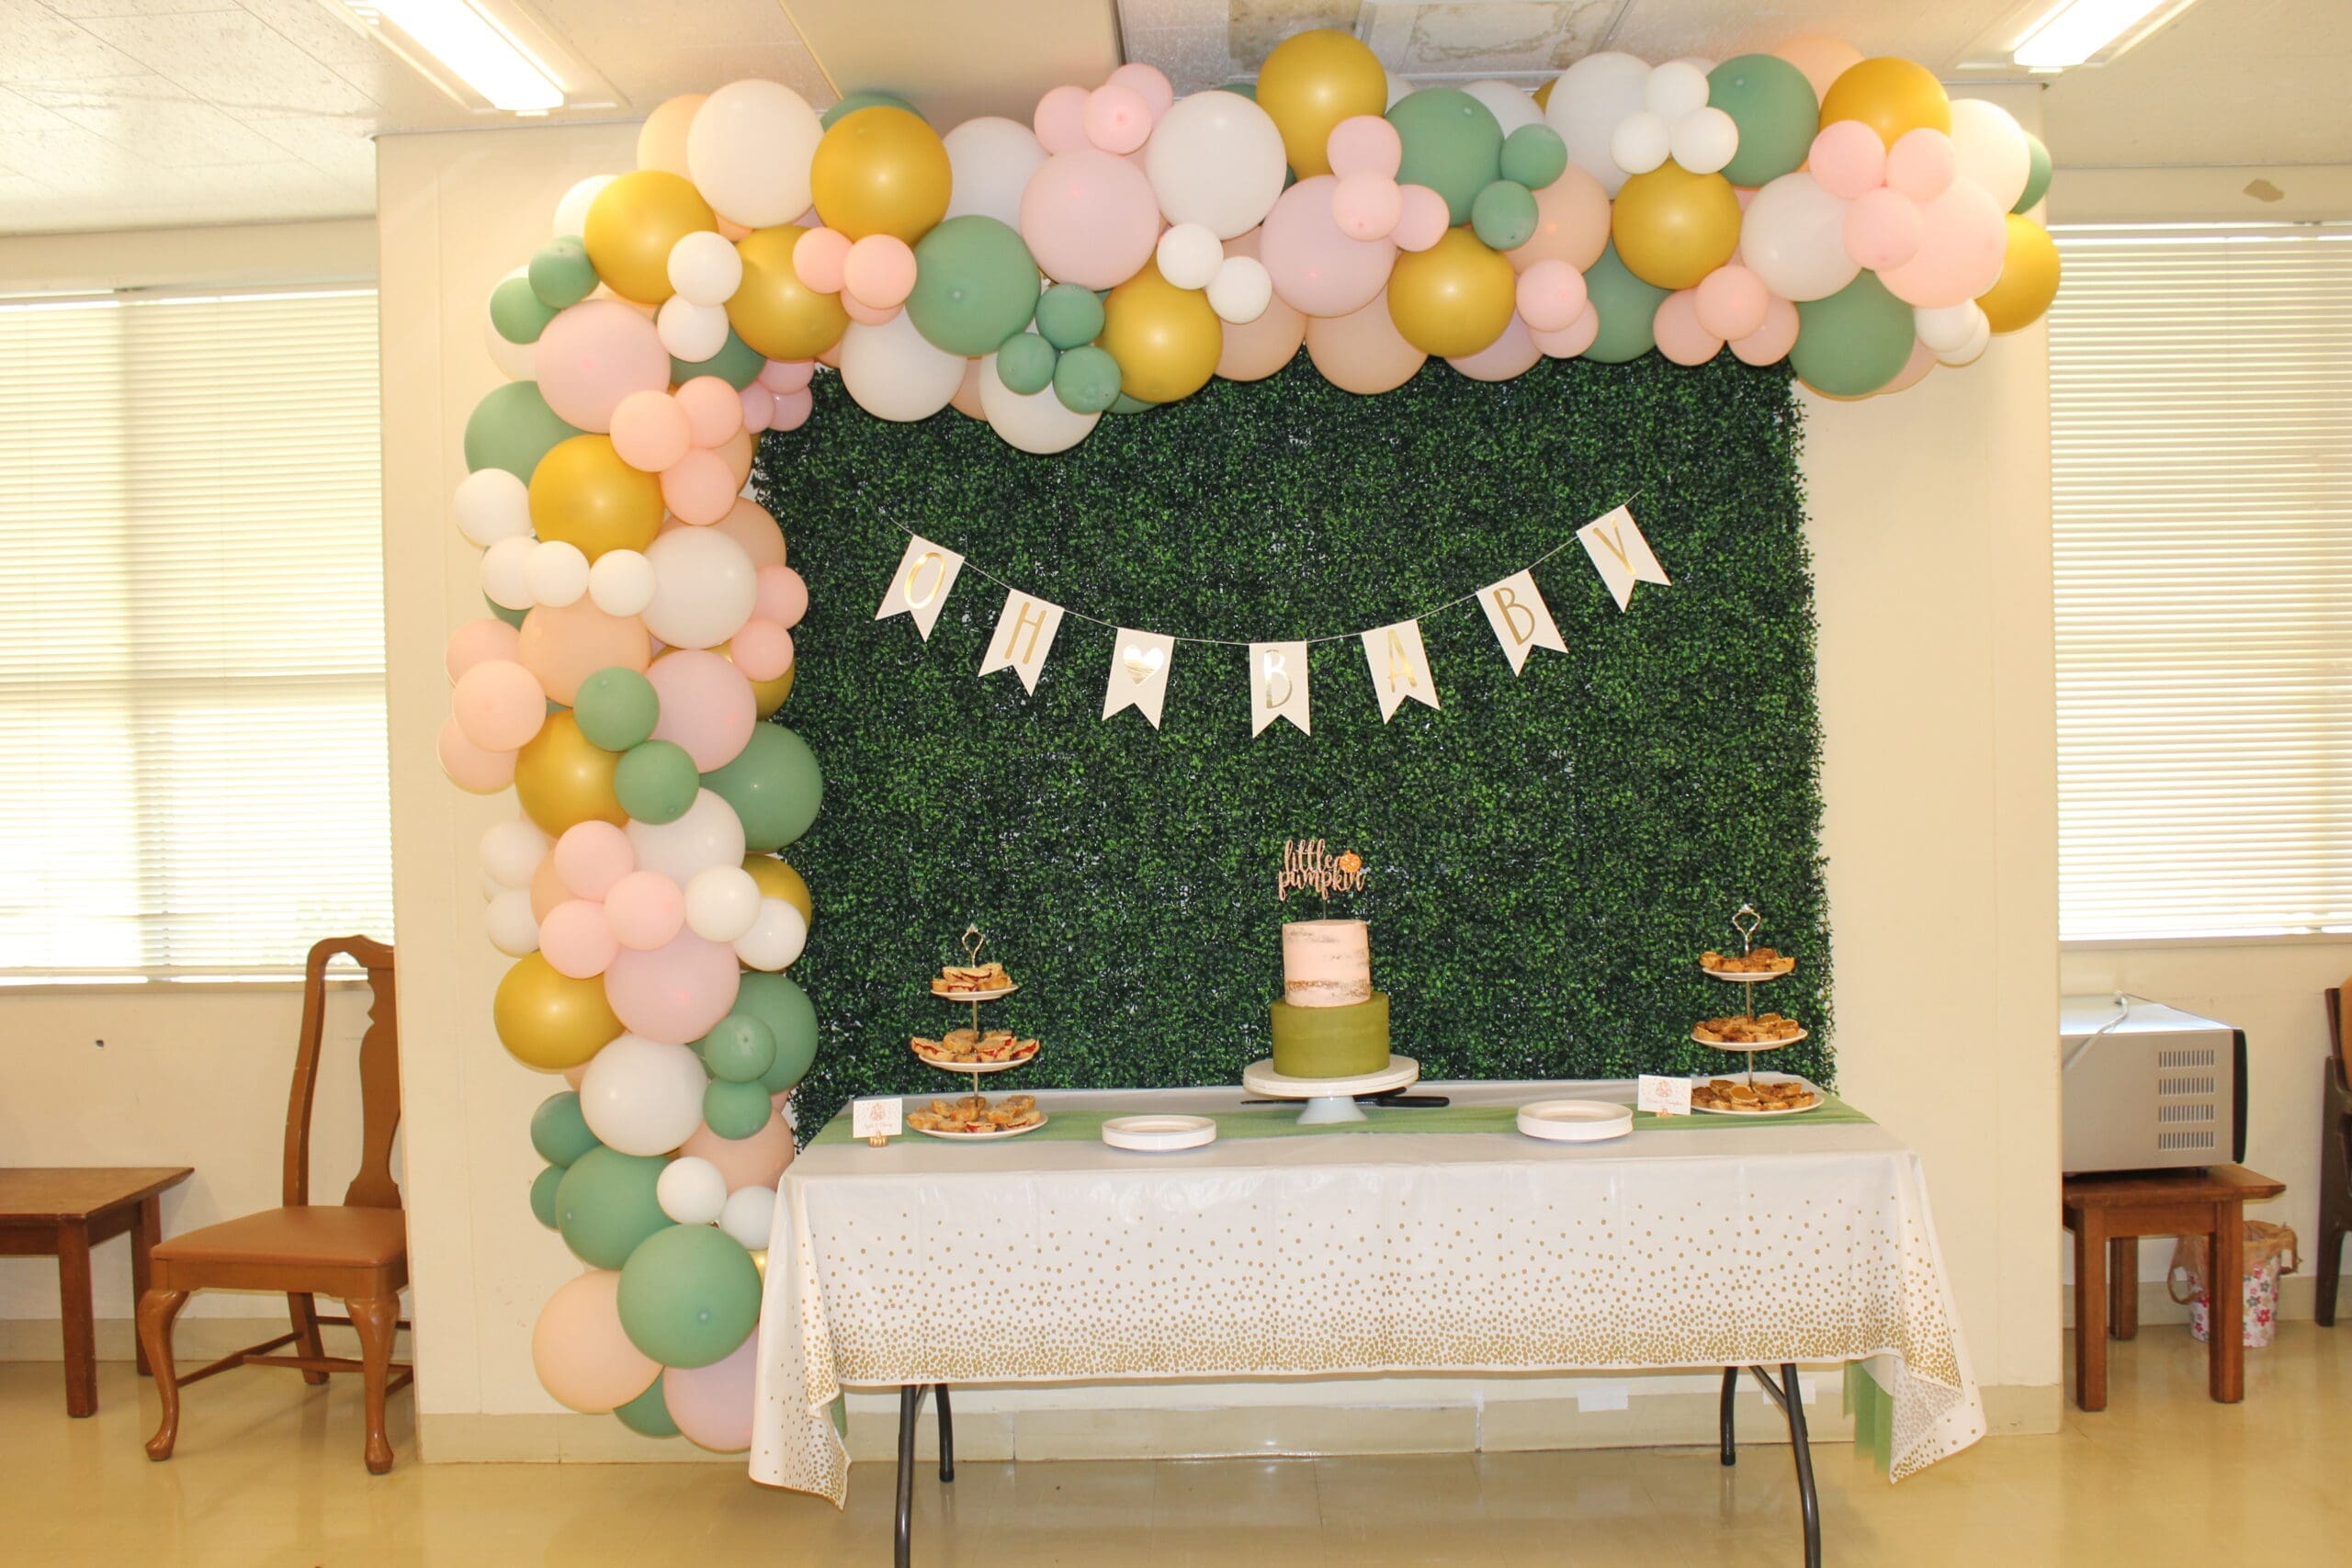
x: 315, y: 30
x: 234, y: 60
x: 38, y: 45
x: 132, y: 7
x: 152, y: 116
x: 333, y: 144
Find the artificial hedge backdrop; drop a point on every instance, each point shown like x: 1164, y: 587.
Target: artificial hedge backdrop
x: 1547, y: 854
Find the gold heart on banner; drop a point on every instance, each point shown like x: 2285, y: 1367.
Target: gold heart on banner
x: 1142, y: 663
x: 1145, y: 657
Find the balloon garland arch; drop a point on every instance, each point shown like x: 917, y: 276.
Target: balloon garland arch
x: 1116, y: 253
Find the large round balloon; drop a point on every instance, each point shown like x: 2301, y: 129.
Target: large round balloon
x: 776, y: 313
x: 585, y: 494
x: 1989, y: 147
x: 1165, y: 339
x: 593, y: 355
x: 1587, y: 102
x: 1963, y: 241
x: 1671, y: 226
x: 561, y: 779
x: 1309, y: 84
x: 582, y: 1355
x: 748, y: 150
x: 1855, y: 340
x: 511, y: 428
x: 1215, y: 159
x: 705, y: 588
x: 1254, y: 350
x: 1090, y: 218
x: 648, y: 1414
x: 1793, y: 237
x: 1452, y: 144
x: 559, y: 1133
x: 991, y: 160
x: 1571, y: 223
x: 548, y: 1020
x: 689, y: 1295
x: 1889, y: 96
x: 779, y: 1003
x: 1627, y: 309
x: 713, y: 1406
x: 881, y: 171
x: 641, y: 1097
x: 1363, y: 352
x: 1036, y: 422
x: 1316, y: 267
x: 708, y: 834
x: 2029, y: 281
x: 606, y: 1205
x: 1453, y: 298
x: 672, y: 993
x: 633, y: 224
x: 893, y: 371
x: 774, y: 787
x: 564, y: 645
x: 758, y: 1160
x: 975, y: 285
x: 1774, y: 108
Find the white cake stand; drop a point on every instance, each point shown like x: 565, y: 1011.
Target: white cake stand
x: 1329, y: 1100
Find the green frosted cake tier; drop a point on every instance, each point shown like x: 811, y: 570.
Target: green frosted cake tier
x: 1331, y: 1042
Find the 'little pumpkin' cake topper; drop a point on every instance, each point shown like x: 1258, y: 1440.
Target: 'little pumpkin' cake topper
x: 1310, y: 864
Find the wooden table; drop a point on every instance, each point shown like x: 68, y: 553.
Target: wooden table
x: 62, y: 1213
x: 2109, y: 1215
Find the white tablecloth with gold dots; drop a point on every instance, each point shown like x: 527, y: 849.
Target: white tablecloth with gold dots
x: 1033, y: 1261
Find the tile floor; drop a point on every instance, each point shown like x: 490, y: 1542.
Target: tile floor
x: 268, y: 1476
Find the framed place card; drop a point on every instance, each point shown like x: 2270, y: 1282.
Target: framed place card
x: 886, y: 1118
x: 1662, y: 1095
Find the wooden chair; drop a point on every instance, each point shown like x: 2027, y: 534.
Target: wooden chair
x: 357, y: 1252
x: 2334, y: 1161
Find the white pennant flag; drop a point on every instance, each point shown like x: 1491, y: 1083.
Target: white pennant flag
x: 1024, y: 634
x: 920, y: 587
x: 1520, y: 619
x: 1399, y: 667
x: 1621, y: 555
x: 1139, y: 662
x: 1278, y: 684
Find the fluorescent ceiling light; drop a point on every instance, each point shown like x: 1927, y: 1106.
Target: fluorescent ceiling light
x: 2079, y: 29
x: 470, y: 45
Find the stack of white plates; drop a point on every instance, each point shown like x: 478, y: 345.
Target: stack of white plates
x: 1158, y: 1135
x: 1575, y: 1121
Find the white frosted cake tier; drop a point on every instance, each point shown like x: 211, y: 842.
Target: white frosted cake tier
x: 1327, y: 964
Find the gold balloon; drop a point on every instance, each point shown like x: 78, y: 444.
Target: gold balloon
x: 549, y: 1020
x: 1891, y: 97
x: 582, y: 494
x: 1453, y: 298
x: 2029, y: 279
x: 769, y: 696
x: 1672, y: 227
x: 778, y: 880
x: 1166, y: 339
x: 880, y: 170
x: 631, y: 226
x: 1309, y: 84
x: 772, y: 310
x: 563, y: 779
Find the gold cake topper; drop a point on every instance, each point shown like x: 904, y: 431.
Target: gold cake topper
x: 1310, y: 864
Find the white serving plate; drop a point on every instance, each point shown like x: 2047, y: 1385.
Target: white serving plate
x: 937, y: 990
x: 1158, y: 1134
x: 1746, y: 1046
x: 1575, y: 1121
x: 988, y: 1137
x: 1748, y: 977
x: 977, y: 1066
x: 1820, y: 1099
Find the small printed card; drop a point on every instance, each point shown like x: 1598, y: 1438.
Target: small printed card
x: 1662, y: 1095
x: 885, y: 1119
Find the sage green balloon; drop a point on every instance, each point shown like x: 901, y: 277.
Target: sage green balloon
x: 559, y: 1131
x: 561, y: 274
x: 1854, y: 342
x: 512, y: 617
x: 518, y: 312
x: 777, y: 1001
x: 1068, y: 315
x: 1453, y: 144
x: 1130, y: 405
x: 737, y: 363
x: 656, y: 782
x: 865, y: 98
x: 544, y: 1187
x: 616, y: 708
x: 1534, y: 156
x: 975, y: 285
x: 1025, y: 363
x: 513, y: 428
x: 2037, y: 179
x: 1086, y: 379
x: 1244, y: 89
x: 736, y: 1110
x: 774, y: 785
x: 1773, y: 106
x: 1627, y: 308
x: 606, y: 1205
x: 740, y: 1048
x: 649, y: 1414
x: 689, y: 1295
x: 1504, y: 216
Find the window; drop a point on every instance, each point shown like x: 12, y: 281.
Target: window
x: 192, y: 747
x: 2201, y: 444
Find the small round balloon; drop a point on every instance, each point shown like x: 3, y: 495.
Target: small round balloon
x: 735, y: 1110
x: 606, y: 1205
x: 778, y: 1002
x: 616, y: 708
x: 740, y: 1049
x: 656, y: 782
x: 1027, y: 362
x: 2029, y: 281
x: 548, y: 1022
x: 559, y: 1131
x: 1627, y: 309
x: 1166, y: 339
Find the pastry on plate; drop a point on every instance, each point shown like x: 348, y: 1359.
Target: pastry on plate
x: 1738, y: 1096
x: 1759, y: 961
x: 975, y: 1114
x: 1764, y: 1029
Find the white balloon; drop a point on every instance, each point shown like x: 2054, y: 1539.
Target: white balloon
x: 505, y: 573
x: 571, y: 212
x: 722, y: 902
x: 1511, y: 106
x: 1973, y: 348
x: 692, y: 1190
x: 750, y: 1216
x: 1703, y: 141
x: 1588, y: 100
x: 1241, y: 290
x: 1990, y: 147
x: 555, y: 572
x: 1946, y: 328
x: 511, y: 851
x: 893, y: 372
x: 1038, y: 423
x: 776, y: 938
x: 1189, y: 255
x: 690, y: 331
x: 1640, y: 142
x: 1215, y: 159
x: 1675, y: 90
x: 989, y: 161
x: 703, y: 587
x: 492, y: 504
x: 748, y: 150
x: 621, y: 582
x: 642, y: 1097
x: 1793, y: 237
x: 515, y: 361
x: 708, y: 834
x: 514, y: 930
x: 706, y: 269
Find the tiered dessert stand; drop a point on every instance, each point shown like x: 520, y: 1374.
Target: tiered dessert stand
x: 972, y: 943
x: 1746, y: 922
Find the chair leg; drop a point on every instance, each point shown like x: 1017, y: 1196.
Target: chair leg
x: 946, y: 1435
x: 157, y: 1311
x: 374, y: 1318
x: 303, y: 1311
x: 1731, y: 1389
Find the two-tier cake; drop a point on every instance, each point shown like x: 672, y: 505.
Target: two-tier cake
x: 1331, y: 1023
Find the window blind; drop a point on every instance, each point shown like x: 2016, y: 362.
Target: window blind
x: 2201, y: 486
x: 192, y: 745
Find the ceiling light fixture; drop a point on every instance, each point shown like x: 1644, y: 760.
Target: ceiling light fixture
x: 2077, y: 30
x: 475, y: 48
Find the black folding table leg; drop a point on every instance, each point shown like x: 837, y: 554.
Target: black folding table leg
x: 1731, y: 1389
x: 910, y: 1412
x: 946, y: 1435
x: 1790, y: 1397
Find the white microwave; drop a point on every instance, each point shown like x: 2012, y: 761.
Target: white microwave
x: 2147, y: 1086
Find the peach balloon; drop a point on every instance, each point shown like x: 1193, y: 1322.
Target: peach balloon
x: 1060, y: 120
x: 783, y: 597
x: 1572, y: 339
x: 469, y: 767
x: 1823, y: 58
x: 1571, y: 223
x: 646, y: 910
x: 757, y: 1161
x: 967, y: 400
x: 760, y: 649
x: 699, y: 487
x: 869, y: 315
x: 662, y: 139
x: 651, y: 431
x: 736, y: 452
x: 583, y: 1356
x: 706, y: 706
x: 1316, y: 267
x: 714, y: 411
x: 782, y: 376
x: 1915, y: 370
x: 1680, y: 336
x: 1769, y: 343
x: 817, y: 258
x: 1255, y: 350
x: 1921, y: 163
x: 793, y: 409
x: 1513, y: 353
x: 749, y: 524
x: 499, y: 704
x: 1963, y: 240
x: 1362, y: 351
x: 547, y: 888
x: 1848, y: 159
x: 880, y: 271
x: 576, y: 939
x: 564, y: 645
x: 478, y: 642
x: 590, y: 856
x: 1551, y: 295
x: 1732, y: 301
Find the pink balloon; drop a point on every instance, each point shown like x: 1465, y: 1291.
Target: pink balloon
x: 1363, y: 352
x: 1513, y: 353
x: 1965, y: 237
x: 1116, y: 119
x: 1680, y: 336
x: 699, y: 487
x: 859, y: 311
x: 674, y: 993
x: 759, y: 407
x: 1367, y: 206
x: 651, y: 431
x: 1551, y: 295
x: 792, y: 410
x: 1769, y: 343
x: 1915, y: 370
x: 469, y: 767
x: 1848, y: 159
x: 1571, y: 223
x: 1148, y: 83
x: 762, y: 649
x: 1423, y: 222
x: 1921, y: 163
x: 1365, y: 144
x: 576, y: 940
x: 1732, y: 301
x: 592, y: 355
x: 782, y: 376
x: 646, y: 910
x: 590, y: 856
x: 748, y: 524
x: 583, y: 1356
x: 477, y: 641
x: 706, y: 706
x: 880, y: 271
x: 1090, y: 218
x: 1882, y: 228
x: 714, y: 411
x: 1315, y: 266
x: 759, y: 1160
x: 574, y: 1077
x: 1572, y: 339
x: 499, y: 704
x: 712, y: 1404
x: 818, y: 257
x: 1060, y: 119
x: 783, y: 596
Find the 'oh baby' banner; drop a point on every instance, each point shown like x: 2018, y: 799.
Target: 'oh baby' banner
x: 1140, y: 661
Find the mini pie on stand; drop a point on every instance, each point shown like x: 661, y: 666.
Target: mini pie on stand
x: 974, y: 1050
x: 1777, y: 1094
